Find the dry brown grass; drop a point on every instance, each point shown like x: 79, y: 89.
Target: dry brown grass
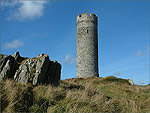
x: 81, y: 95
x: 12, y: 97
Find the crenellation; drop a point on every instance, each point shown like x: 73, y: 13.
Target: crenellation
x: 85, y: 17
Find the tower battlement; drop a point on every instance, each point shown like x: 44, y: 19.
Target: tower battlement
x: 85, y: 17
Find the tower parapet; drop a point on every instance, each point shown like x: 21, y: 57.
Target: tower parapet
x: 87, y: 46
x: 85, y: 17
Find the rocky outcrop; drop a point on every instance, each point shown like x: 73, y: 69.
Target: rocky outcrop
x: 8, y: 66
x: 38, y: 70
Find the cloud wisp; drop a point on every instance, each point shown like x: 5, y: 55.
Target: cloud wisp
x: 141, y: 82
x: 13, y: 45
x: 117, y: 73
x: 139, y: 53
x: 34, y: 34
x: 25, y: 10
x: 68, y: 59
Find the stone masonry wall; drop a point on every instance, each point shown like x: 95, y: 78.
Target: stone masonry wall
x: 87, y: 46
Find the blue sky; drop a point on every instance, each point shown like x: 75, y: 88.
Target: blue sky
x: 50, y: 27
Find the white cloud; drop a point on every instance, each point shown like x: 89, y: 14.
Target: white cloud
x: 139, y: 53
x: 13, y: 45
x: 26, y: 10
x: 141, y: 82
x: 117, y: 73
x: 68, y: 59
x: 34, y: 34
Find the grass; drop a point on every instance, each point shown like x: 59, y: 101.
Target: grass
x: 76, y: 95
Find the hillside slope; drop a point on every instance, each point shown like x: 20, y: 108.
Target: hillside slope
x: 94, y: 94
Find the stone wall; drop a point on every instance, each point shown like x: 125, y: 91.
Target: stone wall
x: 87, y: 46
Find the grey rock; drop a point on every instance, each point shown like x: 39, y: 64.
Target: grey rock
x: 41, y: 70
x: 26, y: 71
x: 131, y: 82
x: 8, y: 66
x: 17, y: 57
x: 40, y: 55
x: 38, y: 70
x: 54, y: 73
x: 3, y: 60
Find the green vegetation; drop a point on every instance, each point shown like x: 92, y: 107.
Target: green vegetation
x: 77, y: 95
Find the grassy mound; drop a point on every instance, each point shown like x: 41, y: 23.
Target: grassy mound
x: 77, y: 95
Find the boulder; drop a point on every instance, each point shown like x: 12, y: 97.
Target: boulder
x: 42, y: 67
x: 130, y: 82
x: 26, y: 71
x: 8, y: 66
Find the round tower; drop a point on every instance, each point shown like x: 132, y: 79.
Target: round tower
x: 87, y: 46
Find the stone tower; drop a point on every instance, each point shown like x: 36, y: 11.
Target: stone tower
x: 87, y: 46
